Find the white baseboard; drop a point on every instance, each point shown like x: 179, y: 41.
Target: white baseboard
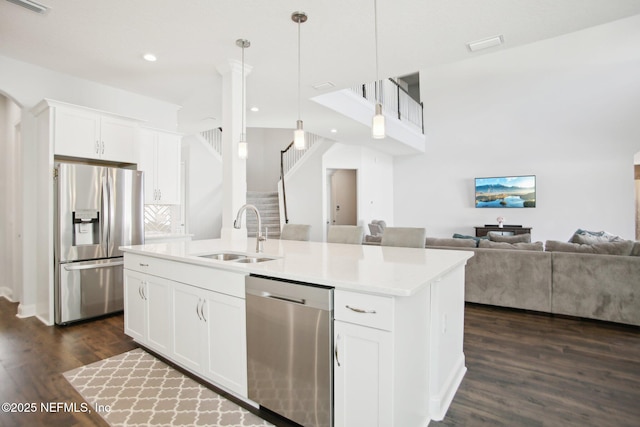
x: 439, y: 403
x: 26, y: 310
x: 6, y: 293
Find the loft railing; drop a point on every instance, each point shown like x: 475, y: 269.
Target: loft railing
x: 214, y: 138
x: 288, y: 158
x: 395, y: 100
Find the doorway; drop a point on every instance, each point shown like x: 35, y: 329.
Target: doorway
x: 342, y: 206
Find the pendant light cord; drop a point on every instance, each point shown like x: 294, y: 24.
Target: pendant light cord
x: 375, y: 26
x: 243, y: 135
x: 299, y: 68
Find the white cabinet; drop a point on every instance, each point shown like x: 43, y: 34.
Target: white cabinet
x: 147, y: 310
x: 88, y: 134
x: 190, y: 314
x: 363, y: 360
x: 159, y: 158
x: 362, y: 376
x: 210, y: 335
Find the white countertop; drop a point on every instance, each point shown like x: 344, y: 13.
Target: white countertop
x: 362, y: 268
x: 150, y: 236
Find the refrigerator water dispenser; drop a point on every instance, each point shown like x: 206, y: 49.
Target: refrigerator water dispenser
x: 86, y: 227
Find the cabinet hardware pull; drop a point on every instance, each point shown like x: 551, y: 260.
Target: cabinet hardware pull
x: 198, y: 308
x: 97, y: 146
x: 359, y: 310
x: 143, y: 265
x: 102, y: 147
x: 144, y: 292
x: 336, y: 350
x: 140, y: 290
x: 159, y: 194
x: 204, y: 301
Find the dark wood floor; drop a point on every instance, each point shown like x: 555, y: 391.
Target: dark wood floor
x: 524, y: 369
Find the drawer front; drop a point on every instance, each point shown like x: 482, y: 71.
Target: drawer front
x: 212, y: 279
x: 363, y: 309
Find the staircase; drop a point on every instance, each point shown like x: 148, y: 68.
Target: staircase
x: 268, y: 205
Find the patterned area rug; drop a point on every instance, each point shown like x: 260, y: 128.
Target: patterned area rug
x: 136, y: 389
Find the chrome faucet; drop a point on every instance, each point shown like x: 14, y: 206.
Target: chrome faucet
x: 238, y: 223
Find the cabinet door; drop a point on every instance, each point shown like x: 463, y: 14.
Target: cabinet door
x: 187, y: 326
x: 76, y: 133
x: 168, y: 168
x: 147, y: 163
x: 134, y: 305
x: 158, y: 296
x: 363, y: 388
x: 225, y: 321
x: 118, y: 139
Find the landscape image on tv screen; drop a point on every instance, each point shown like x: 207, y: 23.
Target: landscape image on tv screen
x: 506, y: 192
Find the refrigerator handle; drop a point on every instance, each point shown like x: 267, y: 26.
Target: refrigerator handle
x: 106, y: 213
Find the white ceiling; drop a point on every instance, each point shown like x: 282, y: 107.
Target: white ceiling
x: 103, y: 41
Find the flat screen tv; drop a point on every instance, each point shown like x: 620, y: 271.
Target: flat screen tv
x: 506, y: 192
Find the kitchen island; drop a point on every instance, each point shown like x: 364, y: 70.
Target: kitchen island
x: 398, y: 318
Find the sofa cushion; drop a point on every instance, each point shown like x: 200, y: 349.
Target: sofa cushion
x: 587, y: 237
x: 635, y: 251
x: 535, y: 246
x: 518, y: 238
x: 450, y: 242
x: 607, y: 248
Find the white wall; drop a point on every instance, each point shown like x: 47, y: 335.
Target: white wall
x: 28, y: 84
x: 307, y: 195
x: 263, y: 163
x: 204, y: 189
x: 565, y: 110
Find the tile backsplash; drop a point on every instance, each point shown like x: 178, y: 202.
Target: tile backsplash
x: 162, y: 219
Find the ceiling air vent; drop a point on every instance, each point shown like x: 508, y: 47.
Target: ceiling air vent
x: 31, y: 5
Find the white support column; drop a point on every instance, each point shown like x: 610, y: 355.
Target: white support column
x: 234, y: 169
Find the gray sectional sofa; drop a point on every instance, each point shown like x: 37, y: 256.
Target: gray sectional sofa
x: 598, y: 280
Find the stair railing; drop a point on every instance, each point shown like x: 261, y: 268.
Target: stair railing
x: 214, y: 138
x: 284, y: 191
x: 394, y: 98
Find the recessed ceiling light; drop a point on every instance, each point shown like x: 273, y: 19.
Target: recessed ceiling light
x: 334, y: 131
x: 149, y: 57
x: 485, y: 43
x: 254, y: 109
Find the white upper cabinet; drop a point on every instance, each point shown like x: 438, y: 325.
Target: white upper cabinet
x: 88, y: 134
x: 159, y: 158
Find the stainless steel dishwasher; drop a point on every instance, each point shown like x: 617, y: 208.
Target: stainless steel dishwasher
x: 289, y: 349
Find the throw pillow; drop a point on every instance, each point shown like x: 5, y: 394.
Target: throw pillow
x: 587, y: 237
x: 474, y: 238
x: 606, y: 248
x: 518, y: 238
x: 450, y: 242
x: 524, y: 246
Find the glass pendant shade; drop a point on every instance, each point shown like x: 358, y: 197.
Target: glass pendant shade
x: 243, y: 148
x: 377, y: 124
x: 299, y: 142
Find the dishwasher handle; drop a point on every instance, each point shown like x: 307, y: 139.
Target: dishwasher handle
x: 300, y: 301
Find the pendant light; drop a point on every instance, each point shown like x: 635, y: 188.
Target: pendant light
x: 377, y: 124
x: 243, y: 149
x: 299, y: 142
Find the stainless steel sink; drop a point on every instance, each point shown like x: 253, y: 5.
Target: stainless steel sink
x: 223, y: 256
x: 245, y: 259
x: 253, y: 260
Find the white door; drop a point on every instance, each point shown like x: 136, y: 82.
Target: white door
x: 76, y: 133
x: 147, y: 163
x: 363, y: 381
x: 118, y: 139
x: 168, y: 168
x: 226, y: 338
x: 134, y: 305
x: 187, y: 326
x: 158, y: 296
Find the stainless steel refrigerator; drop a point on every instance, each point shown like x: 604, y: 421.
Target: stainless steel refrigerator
x: 98, y: 209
